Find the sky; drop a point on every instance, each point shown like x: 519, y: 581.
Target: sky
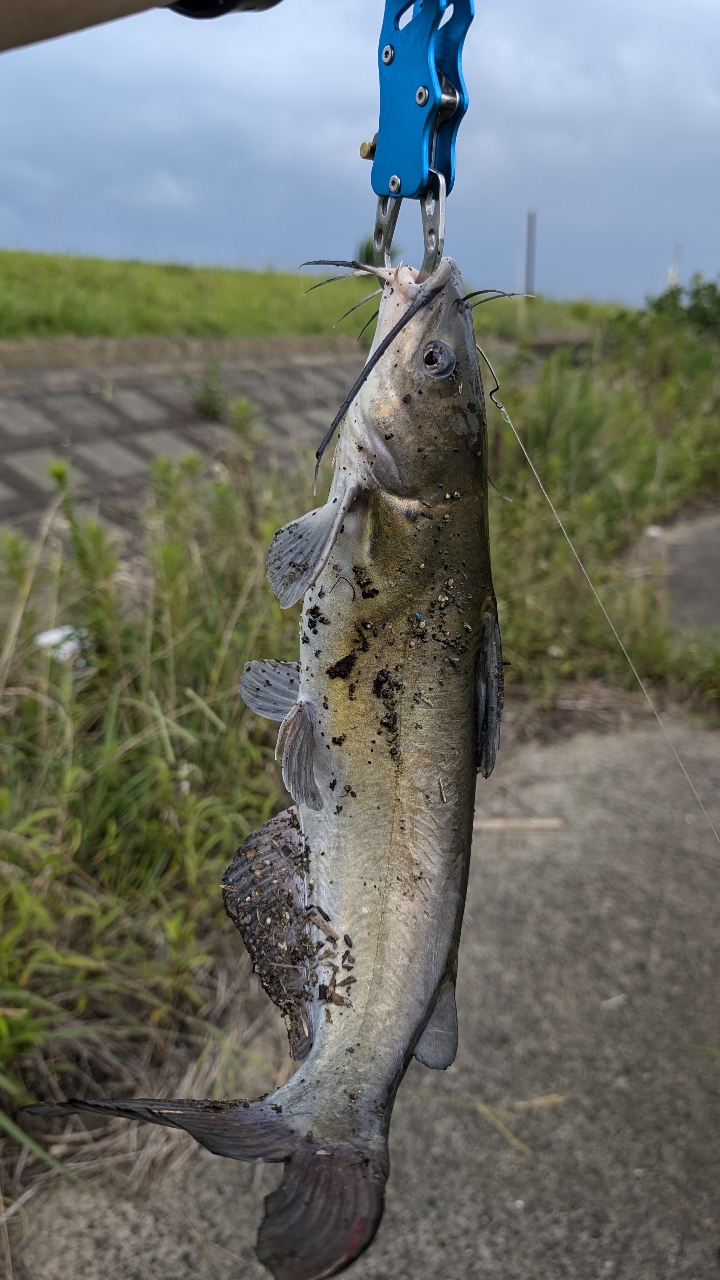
x: 235, y: 142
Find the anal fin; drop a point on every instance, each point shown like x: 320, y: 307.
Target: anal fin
x: 264, y: 896
x: 238, y: 1130
x: 438, y: 1043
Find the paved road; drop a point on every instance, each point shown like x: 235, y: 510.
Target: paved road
x: 111, y: 406
x: 590, y: 969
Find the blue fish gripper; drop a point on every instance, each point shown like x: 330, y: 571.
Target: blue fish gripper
x: 422, y: 94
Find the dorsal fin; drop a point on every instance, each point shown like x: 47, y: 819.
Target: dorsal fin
x: 265, y: 897
x: 270, y: 688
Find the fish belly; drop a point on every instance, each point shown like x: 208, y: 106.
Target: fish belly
x: 389, y: 850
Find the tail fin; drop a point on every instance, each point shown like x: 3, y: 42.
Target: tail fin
x: 325, y: 1212
x: 329, y: 1204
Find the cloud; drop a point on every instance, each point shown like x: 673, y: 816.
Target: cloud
x: 237, y: 140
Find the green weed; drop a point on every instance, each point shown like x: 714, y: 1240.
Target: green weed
x: 207, y: 396
x: 622, y: 441
x: 44, y: 295
x: 130, y: 771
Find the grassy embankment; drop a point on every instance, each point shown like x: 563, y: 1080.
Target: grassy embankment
x: 49, y: 295
x: 129, y: 771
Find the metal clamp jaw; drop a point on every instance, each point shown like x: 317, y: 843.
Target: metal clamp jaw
x: 432, y: 210
x: 422, y: 102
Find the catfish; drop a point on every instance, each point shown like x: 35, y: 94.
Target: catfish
x: 350, y: 902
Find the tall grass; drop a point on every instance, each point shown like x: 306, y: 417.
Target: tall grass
x: 622, y: 440
x: 45, y: 295
x: 129, y: 772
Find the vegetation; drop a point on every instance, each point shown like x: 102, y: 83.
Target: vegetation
x: 698, y: 306
x: 129, y: 773
x: 623, y: 436
x: 46, y: 295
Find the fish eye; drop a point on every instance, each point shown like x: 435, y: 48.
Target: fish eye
x: 438, y: 359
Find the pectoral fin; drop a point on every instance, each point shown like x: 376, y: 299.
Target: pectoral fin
x: 299, y: 551
x: 438, y: 1043
x: 270, y: 688
x: 489, y: 690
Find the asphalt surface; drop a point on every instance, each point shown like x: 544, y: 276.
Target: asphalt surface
x: 590, y: 970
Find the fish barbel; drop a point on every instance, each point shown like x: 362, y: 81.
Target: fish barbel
x: 350, y: 902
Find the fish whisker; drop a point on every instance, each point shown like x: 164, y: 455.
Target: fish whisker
x: 500, y: 294
x: 374, y: 316
x: 492, y: 482
x: 351, y: 275
x: 376, y: 293
x: 476, y: 293
x: 355, y: 267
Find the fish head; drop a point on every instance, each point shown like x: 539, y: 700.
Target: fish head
x: 421, y: 407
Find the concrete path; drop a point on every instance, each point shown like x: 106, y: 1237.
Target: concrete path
x: 111, y: 406
x: 589, y: 969
x: 693, y: 571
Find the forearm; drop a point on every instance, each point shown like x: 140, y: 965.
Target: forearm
x: 28, y: 21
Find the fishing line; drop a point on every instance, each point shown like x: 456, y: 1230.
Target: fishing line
x: 506, y: 416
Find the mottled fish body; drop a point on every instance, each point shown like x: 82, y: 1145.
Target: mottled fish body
x: 351, y: 902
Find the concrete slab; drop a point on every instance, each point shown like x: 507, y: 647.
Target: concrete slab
x: 88, y: 411
x: 139, y: 407
x: 693, y: 572
x: 164, y: 444
x: 20, y: 419
x: 111, y: 458
x: 33, y: 465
